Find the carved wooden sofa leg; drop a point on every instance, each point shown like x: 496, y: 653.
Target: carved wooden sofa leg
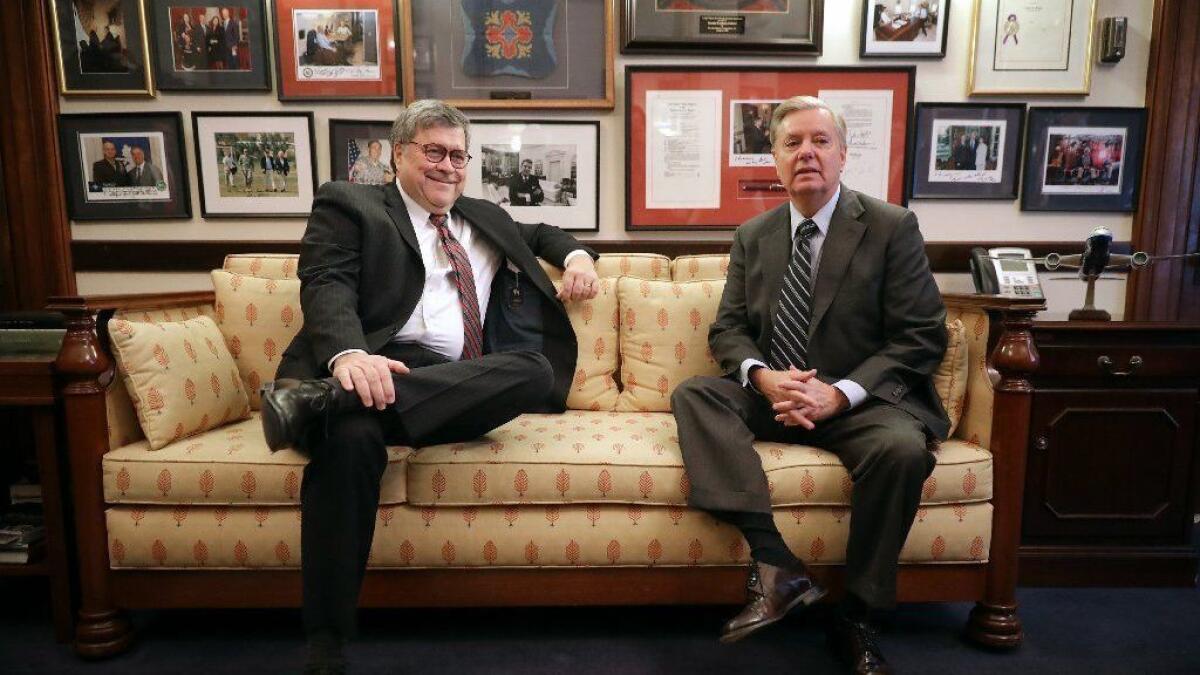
x: 995, y: 626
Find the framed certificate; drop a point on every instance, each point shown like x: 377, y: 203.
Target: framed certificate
x: 1031, y: 47
x: 722, y: 26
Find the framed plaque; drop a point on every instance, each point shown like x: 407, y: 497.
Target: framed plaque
x: 722, y: 26
x: 210, y: 47
x: 336, y: 49
x: 1083, y: 159
x: 967, y: 151
x: 101, y: 47
x: 1031, y: 47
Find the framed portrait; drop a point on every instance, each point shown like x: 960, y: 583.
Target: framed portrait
x: 909, y: 29
x: 1031, y: 47
x: 505, y: 54
x: 119, y: 166
x: 253, y: 166
x: 699, y: 152
x: 966, y: 151
x: 722, y: 26
x: 340, y: 49
x: 102, y: 48
x: 201, y: 46
x: 1083, y: 159
x: 540, y: 171
x: 360, y: 151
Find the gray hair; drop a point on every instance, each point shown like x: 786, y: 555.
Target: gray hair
x: 420, y: 115
x: 798, y: 103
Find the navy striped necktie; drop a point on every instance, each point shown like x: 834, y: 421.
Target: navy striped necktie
x: 464, y: 279
x: 789, y: 341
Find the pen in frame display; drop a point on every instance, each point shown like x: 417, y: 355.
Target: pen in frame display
x: 722, y: 26
x: 101, y: 47
x: 1031, y: 47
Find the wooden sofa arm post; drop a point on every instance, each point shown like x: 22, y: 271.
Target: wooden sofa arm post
x: 84, y: 370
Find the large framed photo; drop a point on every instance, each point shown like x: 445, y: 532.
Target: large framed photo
x: 908, y: 29
x: 101, y: 47
x: 722, y: 26
x: 540, y: 171
x: 255, y: 165
x: 510, y: 53
x: 1083, y: 159
x: 339, y: 49
x: 1032, y: 47
x: 124, y: 166
x: 360, y: 151
x: 967, y: 151
x: 699, y: 154
x: 200, y: 46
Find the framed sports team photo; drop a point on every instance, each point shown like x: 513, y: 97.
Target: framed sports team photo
x: 967, y: 151
x: 540, y: 171
x: 910, y: 29
x: 123, y: 166
x: 200, y: 46
x: 1032, y: 47
x: 255, y: 165
x: 336, y: 49
x: 510, y: 54
x: 101, y: 47
x: 1083, y: 159
x: 722, y: 26
x: 360, y: 151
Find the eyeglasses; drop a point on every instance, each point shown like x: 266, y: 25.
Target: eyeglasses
x: 436, y: 153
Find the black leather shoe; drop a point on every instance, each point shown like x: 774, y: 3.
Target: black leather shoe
x: 854, y: 644
x: 325, y: 656
x: 290, y: 407
x: 771, y: 592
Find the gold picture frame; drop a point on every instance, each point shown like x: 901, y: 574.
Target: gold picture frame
x: 1074, y: 79
x: 84, y: 84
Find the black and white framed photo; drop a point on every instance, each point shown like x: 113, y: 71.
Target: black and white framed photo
x: 910, y: 29
x: 124, y: 166
x: 539, y: 171
x: 255, y: 165
x: 1083, y: 159
x: 967, y: 151
x: 200, y: 46
x: 360, y: 151
x: 101, y: 47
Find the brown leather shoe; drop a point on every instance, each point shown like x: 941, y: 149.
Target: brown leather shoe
x: 853, y: 643
x: 771, y: 592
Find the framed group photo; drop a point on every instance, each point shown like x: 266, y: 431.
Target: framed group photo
x: 119, y: 166
x: 101, y: 47
x: 255, y: 166
x: 336, y: 49
x: 722, y: 26
x: 200, y: 46
x: 360, y: 151
x: 1083, y: 159
x: 906, y: 29
x: 967, y: 151
x: 543, y: 171
x: 1031, y: 47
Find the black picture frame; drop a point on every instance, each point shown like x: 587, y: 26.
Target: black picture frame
x: 1089, y: 188
x: 115, y: 63
x: 342, y: 131
x: 871, y: 48
x: 721, y: 27
x: 82, y: 138
x: 172, y: 75
x: 927, y: 181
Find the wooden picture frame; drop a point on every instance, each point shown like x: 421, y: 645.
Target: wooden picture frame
x: 775, y: 27
x: 203, y: 60
x: 942, y: 167
x: 114, y: 58
x: 1051, y: 61
x: 899, y: 37
x: 330, y: 66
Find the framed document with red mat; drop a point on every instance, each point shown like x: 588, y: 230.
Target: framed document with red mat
x: 336, y: 49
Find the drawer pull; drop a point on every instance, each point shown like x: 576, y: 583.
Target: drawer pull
x: 1041, y: 443
x: 1106, y: 364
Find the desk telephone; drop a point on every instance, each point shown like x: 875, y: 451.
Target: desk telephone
x: 1010, y: 272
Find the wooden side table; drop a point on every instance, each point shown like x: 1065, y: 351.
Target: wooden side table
x: 28, y: 383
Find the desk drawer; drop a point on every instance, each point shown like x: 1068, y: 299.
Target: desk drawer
x: 1118, y: 361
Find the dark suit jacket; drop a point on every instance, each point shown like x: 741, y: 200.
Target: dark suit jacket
x: 878, y: 318
x: 518, y: 184
x: 110, y: 175
x: 361, y: 276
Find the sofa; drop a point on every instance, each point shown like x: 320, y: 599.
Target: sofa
x: 177, y: 509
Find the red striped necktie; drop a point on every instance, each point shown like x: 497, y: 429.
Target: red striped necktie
x: 464, y: 279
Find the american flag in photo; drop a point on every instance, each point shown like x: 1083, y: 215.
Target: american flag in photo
x: 353, y: 157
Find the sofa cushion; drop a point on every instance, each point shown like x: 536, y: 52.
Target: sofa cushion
x: 975, y: 424
x: 593, y: 386
x: 950, y: 379
x: 180, y: 375
x: 258, y: 317
x: 582, y: 456
x: 263, y: 265
x: 230, y: 465
x: 700, y: 267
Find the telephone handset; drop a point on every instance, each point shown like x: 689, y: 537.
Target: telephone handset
x: 1005, y: 271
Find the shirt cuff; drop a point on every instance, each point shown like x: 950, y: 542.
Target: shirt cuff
x: 339, y: 355
x: 854, y: 392
x: 746, y: 366
x: 574, y: 253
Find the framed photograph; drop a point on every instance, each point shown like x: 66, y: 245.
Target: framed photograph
x: 504, y: 54
x: 699, y: 155
x: 102, y: 48
x: 360, y: 151
x: 340, y: 49
x: 540, y: 171
x: 966, y: 151
x: 120, y: 166
x: 722, y: 26
x: 1032, y: 47
x: 1083, y: 159
x: 210, y: 47
x: 910, y: 29
x: 255, y: 165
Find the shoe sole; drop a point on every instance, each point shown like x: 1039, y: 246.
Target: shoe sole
x: 806, y: 598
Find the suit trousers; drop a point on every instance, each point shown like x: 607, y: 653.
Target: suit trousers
x: 882, y: 446
x: 438, y: 401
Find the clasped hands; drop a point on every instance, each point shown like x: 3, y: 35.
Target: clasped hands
x: 798, y: 397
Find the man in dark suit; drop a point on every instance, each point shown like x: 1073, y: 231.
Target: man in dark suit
x: 110, y: 171
x: 843, y: 363
x: 395, y: 349
x: 524, y: 188
x: 233, y: 37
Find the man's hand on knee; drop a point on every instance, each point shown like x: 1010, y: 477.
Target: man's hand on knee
x: 370, y: 376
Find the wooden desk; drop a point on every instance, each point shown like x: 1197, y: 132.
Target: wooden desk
x: 1111, y: 478
x: 28, y: 383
